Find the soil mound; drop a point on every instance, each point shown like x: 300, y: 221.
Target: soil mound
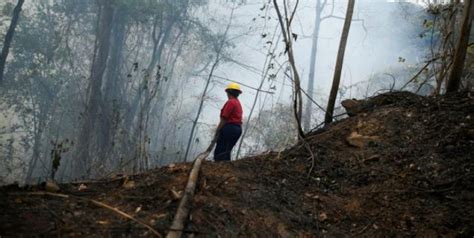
x: 402, y: 165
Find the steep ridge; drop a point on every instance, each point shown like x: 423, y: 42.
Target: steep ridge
x: 401, y: 166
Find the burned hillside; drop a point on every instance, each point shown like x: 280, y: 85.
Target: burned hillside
x: 401, y: 165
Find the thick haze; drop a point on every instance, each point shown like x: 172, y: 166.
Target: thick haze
x: 380, y: 33
x: 159, y: 57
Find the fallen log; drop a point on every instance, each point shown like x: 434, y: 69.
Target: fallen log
x: 182, y: 213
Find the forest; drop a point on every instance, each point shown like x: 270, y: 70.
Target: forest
x: 355, y: 118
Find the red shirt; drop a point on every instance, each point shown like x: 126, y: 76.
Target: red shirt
x: 232, y: 111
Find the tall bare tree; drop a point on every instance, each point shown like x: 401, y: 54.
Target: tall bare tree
x: 312, y: 65
x: 288, y: 37
x: 9, y: 37
x: 113, y: 85
x: 339, y: 62
x: 459, y: 57
x: 83, y: 160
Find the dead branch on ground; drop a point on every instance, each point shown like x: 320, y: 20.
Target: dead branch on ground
x: 100, y: 204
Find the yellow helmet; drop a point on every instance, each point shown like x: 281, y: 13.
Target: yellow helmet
x: 234, y: 86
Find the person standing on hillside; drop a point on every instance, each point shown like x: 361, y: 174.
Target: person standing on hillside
x: 230, y: 126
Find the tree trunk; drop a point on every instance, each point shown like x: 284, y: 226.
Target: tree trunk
x: 200, y: 106
x: 312, y: 66
x: 9, y: 37
x: 133, y: 108
x: 164, y: 94
x: 339, y: 62
x: 287, y: 35
x: 83, y: 160
x: 454, y: 81
x: 158, y: 46
x: 145, y: 98
x: 113, y: 86
x: 36, y: 148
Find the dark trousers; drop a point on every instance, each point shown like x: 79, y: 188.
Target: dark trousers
x: 228, y: 136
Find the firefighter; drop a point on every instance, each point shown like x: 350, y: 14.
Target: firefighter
x: 230, y: 126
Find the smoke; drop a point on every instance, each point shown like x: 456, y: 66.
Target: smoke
x: 155, y: 76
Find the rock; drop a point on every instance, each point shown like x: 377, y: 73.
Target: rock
x: 323, y: 216
x: 51, y: 187
x: 360, y: 141
x: 129, y: 184
x: 352, y: 106
x: 82, y: 187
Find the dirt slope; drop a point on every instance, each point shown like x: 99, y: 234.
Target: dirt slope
x: 409, y: 171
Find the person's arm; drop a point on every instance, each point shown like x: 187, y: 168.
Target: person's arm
x: 221, y: 124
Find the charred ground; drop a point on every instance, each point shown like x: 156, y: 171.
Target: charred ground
x: 402, y: 166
